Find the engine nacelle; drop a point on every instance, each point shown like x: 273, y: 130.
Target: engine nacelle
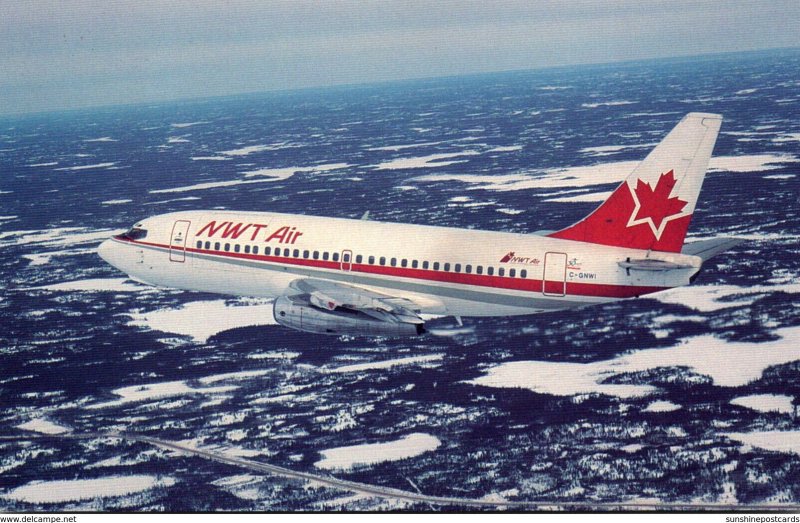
x: 297, y: 313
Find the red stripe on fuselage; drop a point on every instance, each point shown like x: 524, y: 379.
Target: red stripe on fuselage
x: 477, y: 280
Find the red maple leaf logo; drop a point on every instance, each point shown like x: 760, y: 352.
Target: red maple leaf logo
x: 655, y: 206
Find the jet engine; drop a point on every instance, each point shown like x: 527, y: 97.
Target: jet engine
x: 297, y: 312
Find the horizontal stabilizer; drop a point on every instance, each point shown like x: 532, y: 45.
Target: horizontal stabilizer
x: 705, y: 249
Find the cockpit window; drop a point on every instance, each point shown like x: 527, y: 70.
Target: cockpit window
x: 134, y: 233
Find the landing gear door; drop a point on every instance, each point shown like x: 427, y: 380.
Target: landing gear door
x: 177, y: 242
x: 554, y: 282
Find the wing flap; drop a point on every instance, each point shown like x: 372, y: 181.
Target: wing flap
x: 328, y: 295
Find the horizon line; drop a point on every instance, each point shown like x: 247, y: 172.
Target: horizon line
x: 345, y: 85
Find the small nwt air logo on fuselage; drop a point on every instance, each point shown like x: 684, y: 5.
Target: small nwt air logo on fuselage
x: 511, y: 257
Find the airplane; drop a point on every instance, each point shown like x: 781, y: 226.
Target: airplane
x: 362, y: 277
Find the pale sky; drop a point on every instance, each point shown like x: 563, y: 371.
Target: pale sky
x: 58, y: 54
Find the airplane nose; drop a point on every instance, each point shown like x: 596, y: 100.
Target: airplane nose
x: 106, y: 250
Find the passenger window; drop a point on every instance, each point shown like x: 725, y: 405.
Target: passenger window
x: 208, y: 245
x: 383, y: 260
x: 512, y: 272
x: 255, y: 249
x: 372, y: 260
x: 501, y: 271
x: 479, y: 269
x: 359, y: 258
x: 335, y: 256
x: 316, y: 255
x: 325, y: 255
x: 216, y: 246
x: 286, y: 252
x: 414, y: 264
x: 306, y: 254
x: 227, y: 247
x: 247, y: 249
x: 394, y: 262
x: 458, y: 267
x: 435, y: 266
x: 523, y: 273
x: 236, y: 247
x: 490, y: 271
x: 199, y: 245
x: 403, y: 263
x: 468, y: 269
x: 296, y: 253
x: 346, y: 257
x: 425, y: 265
x: 447, y: 267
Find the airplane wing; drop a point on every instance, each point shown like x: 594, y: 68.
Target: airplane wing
x: 326, y: 307
x: 705, y: 249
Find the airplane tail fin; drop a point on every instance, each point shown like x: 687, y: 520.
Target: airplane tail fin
x: 652, y: 208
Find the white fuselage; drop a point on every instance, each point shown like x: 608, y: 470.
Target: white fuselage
x: 445, y: 271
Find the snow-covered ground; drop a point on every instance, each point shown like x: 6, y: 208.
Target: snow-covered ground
x: 787, y: 441
x: 372, y: 453
x: 153, y: 391
x: 766, y: 403
x: 662, y: 406
x: 43, y: 426
x: 56, y: 237
x: 710, y: 298
x: 95, y: 285
x: 286, y: 172
x: 102, y: 165
x: 744, y: 362
x: 386, y: 364
x: 200, y: 320
x: 421, y: 162
x: 594, y: 175
x: 85, y: 489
